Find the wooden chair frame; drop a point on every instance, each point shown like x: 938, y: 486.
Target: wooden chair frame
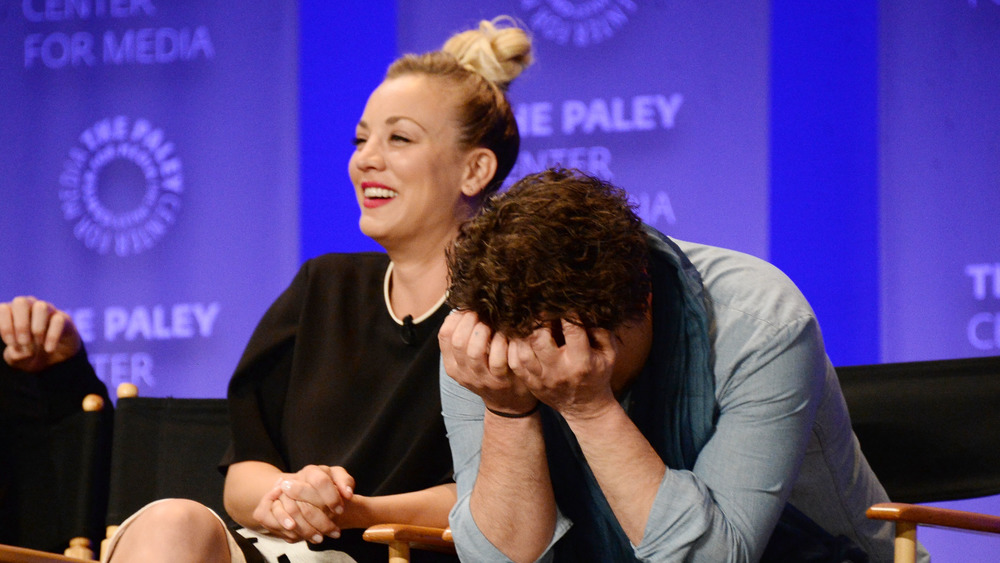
x: 908, y: 516
x: 402, y: 537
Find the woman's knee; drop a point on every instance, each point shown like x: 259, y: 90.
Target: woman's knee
x: 179, y: 514
x: 174, y: 524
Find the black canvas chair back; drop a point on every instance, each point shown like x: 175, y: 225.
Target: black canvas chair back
x: 167, y: 448
x: 930, y: 430
x: 55, y: 479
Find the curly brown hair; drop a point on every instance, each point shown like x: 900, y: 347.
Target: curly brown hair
x: 557, y: 244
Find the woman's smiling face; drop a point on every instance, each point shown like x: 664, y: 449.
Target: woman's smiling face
x: 408, y: 167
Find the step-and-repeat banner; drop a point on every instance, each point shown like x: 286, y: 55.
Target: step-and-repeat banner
x: 668, y: 100
x: 148, y: 177
x: 940, y: 200
x: 940, y: 179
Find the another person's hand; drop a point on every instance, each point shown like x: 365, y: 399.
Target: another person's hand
x: 476, y: 358
x: 574, y: 378
x: 37, y: 334
x: 307, y: 505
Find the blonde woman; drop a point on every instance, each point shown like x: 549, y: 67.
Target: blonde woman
x: 335, y: 406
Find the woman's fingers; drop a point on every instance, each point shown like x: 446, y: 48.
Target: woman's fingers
x: 312, y: 500
x: 343, y: 481
x: 289, y: 512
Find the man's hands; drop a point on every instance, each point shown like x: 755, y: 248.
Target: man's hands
x: 37, y: 334
x: 316, y: 501
x: 510, y: 375
x: 477, y: 359
x: 575, y: 378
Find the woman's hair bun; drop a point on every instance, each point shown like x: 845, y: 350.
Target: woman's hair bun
x: 499, y: 50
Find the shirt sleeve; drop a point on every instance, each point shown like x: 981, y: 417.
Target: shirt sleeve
x: 259, y: 385
x: 726, y: 508
x: 463, y: 418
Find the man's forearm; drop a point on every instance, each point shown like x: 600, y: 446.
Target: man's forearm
x: 626, y: 466
x: 512, y: 501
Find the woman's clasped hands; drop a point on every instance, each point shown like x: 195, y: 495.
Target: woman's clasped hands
x: 314, y: 502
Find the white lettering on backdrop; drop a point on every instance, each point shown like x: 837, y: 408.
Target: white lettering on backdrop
x: 612, y: 115
x: 118, y: 324
x: 114, y: 47
x: 983, y: 330
x: 578, y: 118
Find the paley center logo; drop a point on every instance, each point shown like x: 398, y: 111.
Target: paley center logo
x: 121, y: 186
x: 580, y: 22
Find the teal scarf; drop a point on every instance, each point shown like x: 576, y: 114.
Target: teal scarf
x: 672, y: 402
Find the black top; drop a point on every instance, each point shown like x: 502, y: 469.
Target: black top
x: 329, y: 377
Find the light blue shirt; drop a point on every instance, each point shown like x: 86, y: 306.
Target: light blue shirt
x: 783, y: 434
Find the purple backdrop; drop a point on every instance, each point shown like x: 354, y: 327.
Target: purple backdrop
x: 940, y: 176
x: 940, y: 199
x: 666, y: 99
x: 669, y: 99
x: 148, y: 166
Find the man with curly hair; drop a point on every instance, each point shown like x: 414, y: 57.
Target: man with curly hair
x: 614, y: 395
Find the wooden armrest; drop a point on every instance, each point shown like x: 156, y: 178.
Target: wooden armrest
x: 421, y: 537
x: 933, y: 516
x: 14, y: 554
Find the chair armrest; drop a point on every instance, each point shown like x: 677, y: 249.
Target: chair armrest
x: 421, y: 537
x: 933, y: 516
x: 14, y: 554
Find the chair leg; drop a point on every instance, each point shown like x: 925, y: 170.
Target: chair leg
x: 110, y: 531
x: 906, y: 542
x: 399, y: 552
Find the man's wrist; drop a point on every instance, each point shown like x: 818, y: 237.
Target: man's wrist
x: 508, y: 414
x: 593, y: 414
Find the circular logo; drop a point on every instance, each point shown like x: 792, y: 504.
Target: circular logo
x: 577, y: 22
x: 121, y: 186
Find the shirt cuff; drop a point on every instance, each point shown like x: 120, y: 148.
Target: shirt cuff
x: 472, y: 545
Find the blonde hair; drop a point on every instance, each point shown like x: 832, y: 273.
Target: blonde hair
x: 480, y: 64
x: 498, y: 54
